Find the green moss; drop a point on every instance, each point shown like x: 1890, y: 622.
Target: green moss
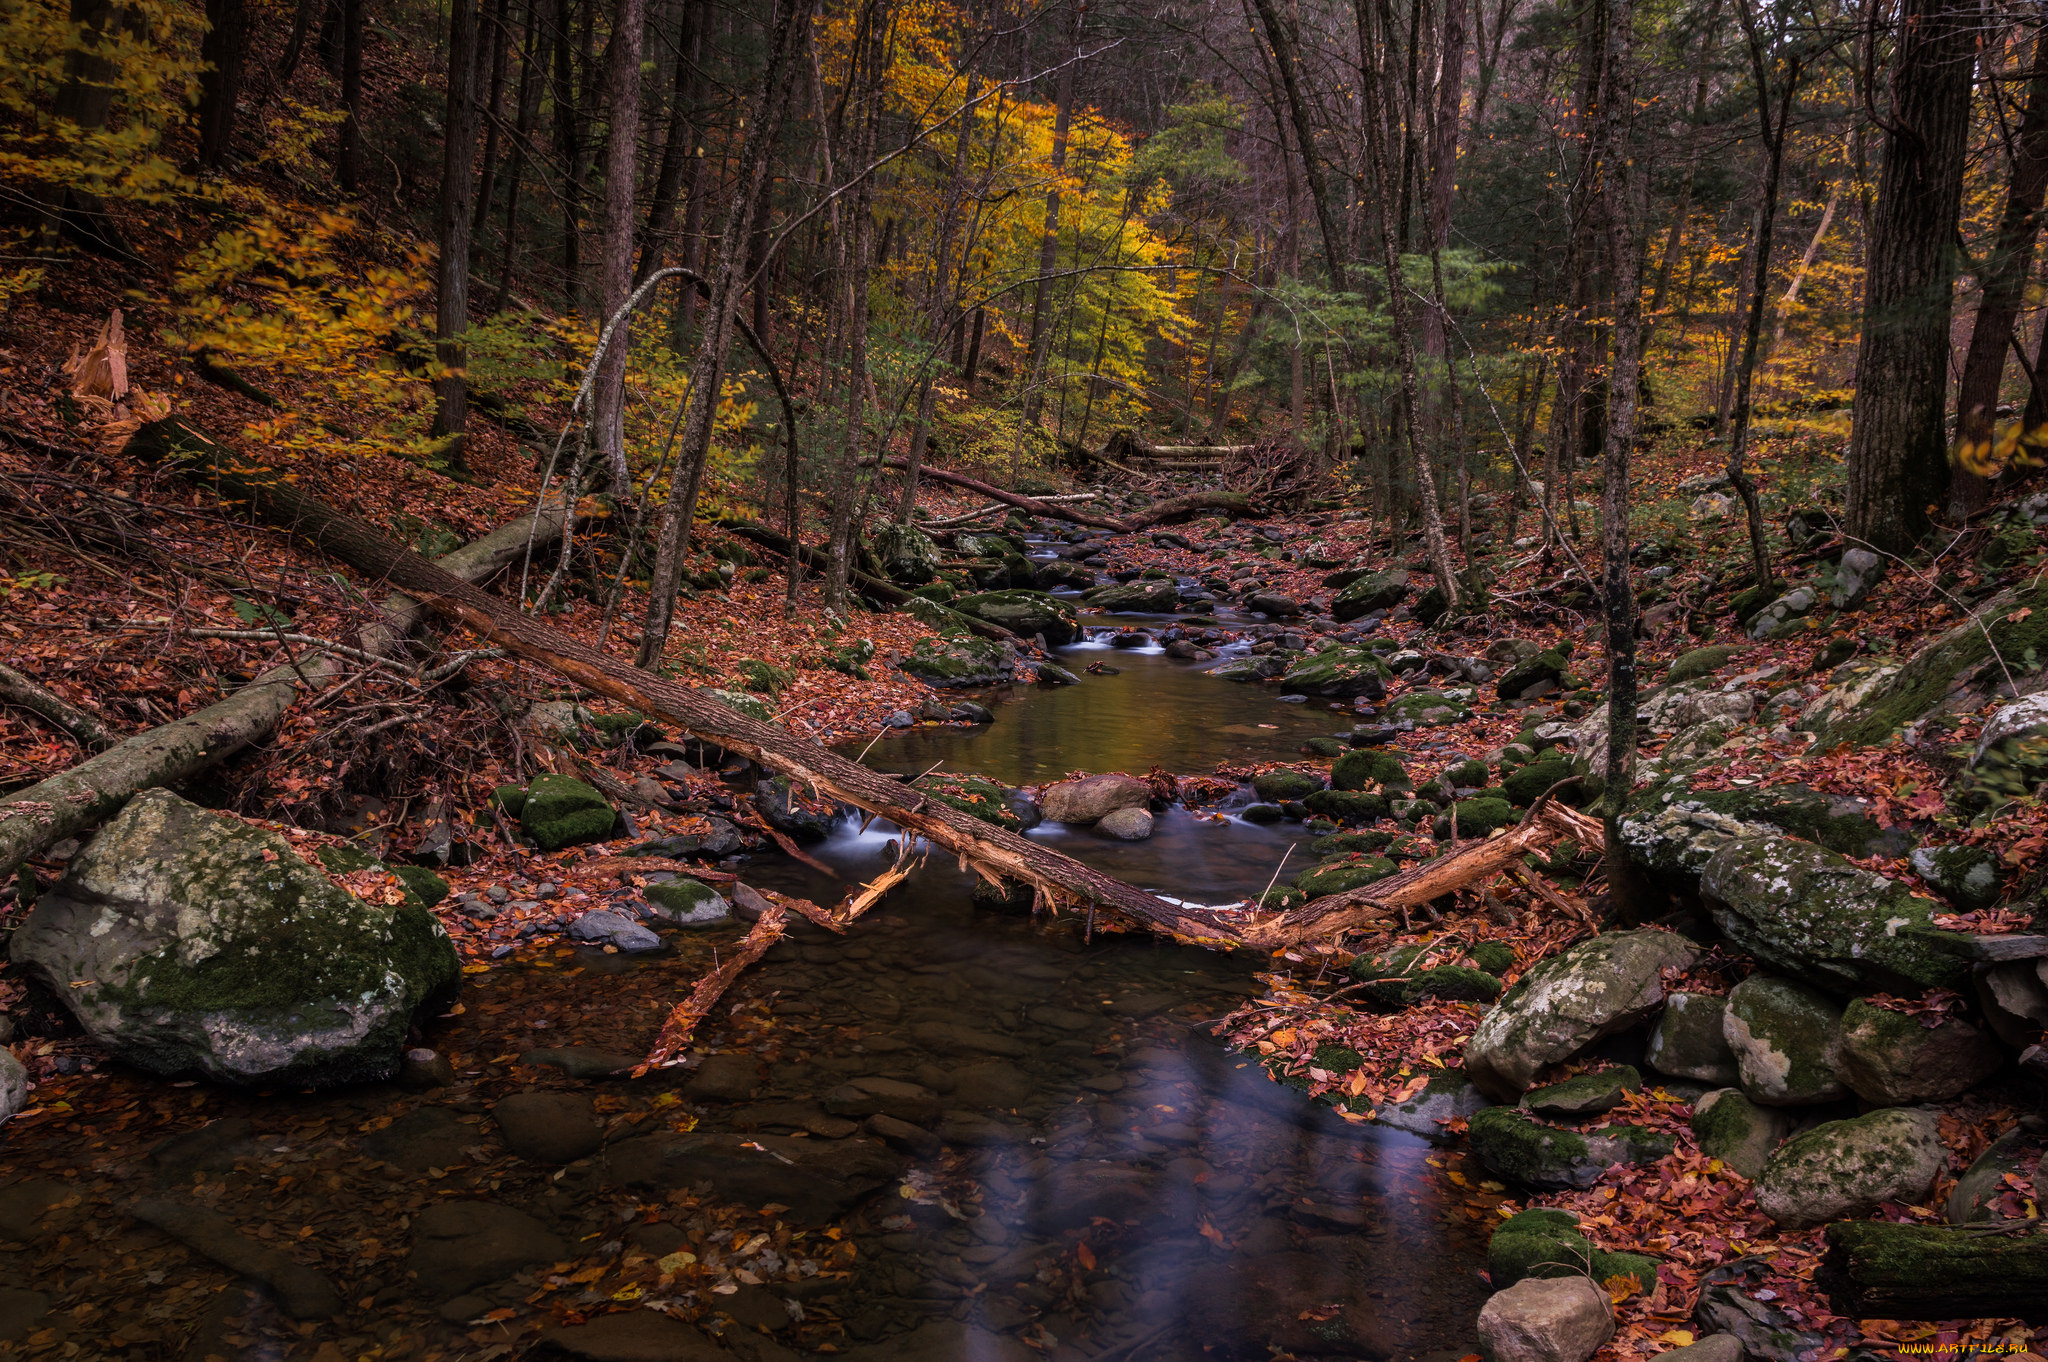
x: 616, y: 728
x: 1451, y: 983
x: 561, y: 811
x: 346, y: 860
x: 983, y: 799
x: 1701, y: 662
x: 764, y: 678
x: 1525, y: 784
x: 1025, y: 612
x: 422, y: 883
x: 1471, y: 772
x: 1323, y: 747
x: 1515, y: 1255
x: 680, y: 895
x: 957, y: 661
x: 2017, y: 622
x: 1475, y: 818
x: 1804, y: 813
x: 1366, y: 842
x: 1343, y: 874
x: 1495, y: 957
x: 510, y: 798
x: 1347, y: 806
x: 1608, y: 1266
x: 748, y: 705
x: 1282, y: 785
x: 1364, y: 769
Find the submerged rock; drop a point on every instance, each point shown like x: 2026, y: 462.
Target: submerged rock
x: 209, y: 946
x: 1307, y: 1304
x: 1447, y: 1096
x: 1126, y: 825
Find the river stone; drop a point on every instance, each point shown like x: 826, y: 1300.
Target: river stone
x: 687, y: 903
x: 209, y: 946
x: 549, y: 1127
x: 907, y: 554
x: 1540, y: 1242
x: 1784, y: 614
x: 1374, y: 592
x: 301, y: 1291
x: 1517, y: 1147
x: 583, y: 1061
x: 1846, y: 1168
x: 560, y: 811
x: 1145, y: 596
x: 1126, y: 825
x: 2015, y: 1154
x: 1891, y: 1060
x: 1808, y: 912
x: 1731, y: 1304
x: 1426, y: 709
x: 1059, y: 572
x: 1586, y: 1095
x: 1567, y: 1319
x: 429, y: 1137
x: 1278, y: 786
x: 1025, y: 613
x: 1701, y: 662
x: 1688, y: 1040
x: 729, y: 1077
x: 1350, y: 807
x: 1563, y: 1005
x: 605, y: 927
x: 1086, y: 800
x: 1448, y: 1096
x: 1969, y: 876
x: 1550, y: 665
x: 1304, y: 1304
x: 632, y: 1336
x: 1364, y: 770
x: 875, y: 1095
x: 1338, y: 673
x: 13, y: 1086
x: 461, y: 1245
x: 1737, y: 1131
x: 1784, y: 1036
x: 2014, y: 997
x: 818, y: 1180
x: 959, y: 660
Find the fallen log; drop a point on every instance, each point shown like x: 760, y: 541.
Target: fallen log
x: 995, y: 853
x: 90, y: 792
x: 29, y: 694
x: 1875, y: 1269
x: 477, y: 561
x: 682, y: 1020
x: 1191, y: 503
x: 1467, y: 864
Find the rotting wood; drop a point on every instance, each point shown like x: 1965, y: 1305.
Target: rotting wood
x: 616, y: 866
x: 682, y: 1020
x: 870, y: 894
x: 1475, y: 862
x: 1882, y: 1270
x: 995, y: 853
x: 38, y: 699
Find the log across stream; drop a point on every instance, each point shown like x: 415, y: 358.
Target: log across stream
x: 1074, y: 1162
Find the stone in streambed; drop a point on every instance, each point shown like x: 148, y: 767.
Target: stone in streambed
x: 549, y: 1127
x: 1279, y: 786
x: 1586, y: 1095
x: 1785, y: 1037
x: 818, y: 1180
x: 1517, y: 1147
x: 1376, y: 591
x: 1126, y: 825
x: 583, y: 1061
x: 687, y: 903
x: 209, y: 946
x: 1088, y: 799
x: 1847, y: 1168
x: 1446, y: 1097
x: 1364, y: 770
x: 560, y: 811
x: 604, y: 927
x: 1338, y: 673
x: 459, y: 1246
x: 1567, y: 1319
x: 1306, y: 1304
x: 302, y: 1292
x: 631, y: 1336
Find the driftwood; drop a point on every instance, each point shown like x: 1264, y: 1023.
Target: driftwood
x: 1880, y: 1270
x: 1467, y: 864
x: 79, y: 797
x: 40, y: 700
x: 995, y: 853
x: 682, y: 1021
x: 1159, y: 513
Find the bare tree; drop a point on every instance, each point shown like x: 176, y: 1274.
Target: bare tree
x: 451, y: 299
x: 622, y: 95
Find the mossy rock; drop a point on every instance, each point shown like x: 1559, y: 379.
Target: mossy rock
x: 1612, y: 1268
x: 1339, y: 674
x: 983, y: 799
x: 1586, y: 1094
x: 1475, y: 818
x: 1541, y: 1243
x: 1517, y: 1147
x: 687, y: 903
x: 959, y: 661
x: 1525, y: 784
x: 749, y: 705
x: 907, y: 554
x: 1344, y: 842
x: 1025, y: 613
x: 510, y: 798
x: 1347, y: 806
x: 1281, y: 785
x: 1343, y: 874
x: 1426, y: 709
x: 1549, y: 665
x: 1143, y: 597
x: 422, y: 883
x: 1495, y: 957
x: 1468, y: 774
x: 617, y: 728
x: 1451, y: 984
x: 1701, y: 662
x: 1370, y: 593
x: 1364, y: 769
x: 561, y: 811
x: 1754, y: 598
x: 1323, y: 747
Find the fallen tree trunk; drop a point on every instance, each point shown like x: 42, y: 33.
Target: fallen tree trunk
x: 1467, y: 864
x: 87, y: 794
x: 38, y: 699
x: 993, y: 852
x: 477, y: 561
x: 888, y: 593
x: 1190, y: 503
x: 1879, y: 1270
x: 682, y: 1020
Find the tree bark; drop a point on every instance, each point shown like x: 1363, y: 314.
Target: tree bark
x: 222, y: 53
x: 533, y: 62
x: 1049, y: 240
x: 1281, y: 37
x: 494, y: 98
x: 1898, y: 458
x: 622, y: 143
x: 27, y: 693
x: 993, y: 852
x: 1880, y: 1270
x: 676, y: 152
x: 451, y: 303
x: 569, y: 147
x: 348, y: 159
x: 2004, y: 281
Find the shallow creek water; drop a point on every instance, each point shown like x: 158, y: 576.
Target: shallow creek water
x: 1074, y: 1169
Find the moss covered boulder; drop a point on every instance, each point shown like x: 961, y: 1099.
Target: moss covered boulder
x: 1688, y: 1040
x: 1145, y: 596
x: 1448, y: 1096
x: 187, y: 942
x: 2011, y: 760
x: 1560, y: 1007
x: 753, y: 706
x: 1369, y: 770
x: 1341, y: 874
x: 1784, y: 1036
x: 1587, y: 1094
x: 1537, y: 1243
x: 1470, y: 818
x: 1374, y: 592
x: 684, y: 902
x: 1890, y: 1059
x: 1541, y: 674
x: 1848, y: 1168
x: 561, y: 811
x: 1526, y: 784
x: 1352, y: 807
x: 1810, y: 914
x: 907, y: 554
x: 1701, y: 662
x: 1426, y: 709
x: 1279, y: 786
x: 1737, y: 1131
x: 1518, y: 1147
x: 961, y: 660
x: 1025, y: 613
x: 1338, y: 674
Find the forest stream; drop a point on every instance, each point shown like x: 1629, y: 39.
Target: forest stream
x: 1079, y: 1168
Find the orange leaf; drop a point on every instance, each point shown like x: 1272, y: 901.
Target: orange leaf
x: 1085, y: 1256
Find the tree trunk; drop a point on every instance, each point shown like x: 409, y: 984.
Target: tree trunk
x: 487, y: 187
x: 221, y: 53
x: 451, y: 305
x: 707, y: 372
x: 532, y: 71
x: 622, y: 144
x: 1880, y: 1270
x: 1049, y: 239
x: 569, y: 147
x: 676, y: 152
x: 993, y: 852
x: 1898, y: 459
x: 1280, y: 36
x: 295, y: 44
x: 1675, y: 237
x: 2004, y: 280
x: 1790, y: 297
x: 348, y: 160
x: 26, y: 693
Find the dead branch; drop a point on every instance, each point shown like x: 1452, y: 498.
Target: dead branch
x: 31, y: 695
x: 682, y: 1022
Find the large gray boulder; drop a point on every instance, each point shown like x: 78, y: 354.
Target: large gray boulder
x: 2011, y: 759
x: 1847, y: 1168
x: 186, y: 941
x: 1784, y: 1036
x: 1376, y: 591
x: 1559, y: 1319
x: 1145, y: 596
x: 1563, y: 1005
x: 907, y: 554
x: 1092, y: 797
x: 1024, y: 613
x: 2014, y: 996
x: 1809, y: 913
x: 1737, y: 1131
x: 1892, y: 1060
x: 13, y: 1086
x: 1688, y: 1041
x: 1519, y: 1148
